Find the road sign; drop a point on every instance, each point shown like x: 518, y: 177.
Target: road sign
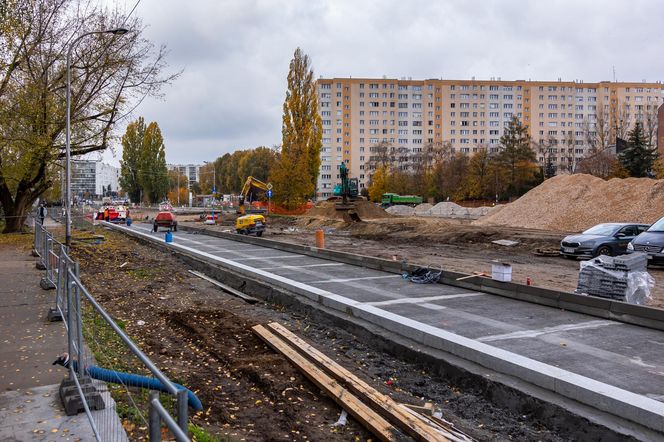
x: 269, y: 193
x: 214, y: 189
x: 269, y: 186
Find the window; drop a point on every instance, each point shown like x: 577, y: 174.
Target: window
x: 326, y: 86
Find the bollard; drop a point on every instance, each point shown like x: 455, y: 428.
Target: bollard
x: 320, y: 239
x: 128, y: 222
x: 169, y: 236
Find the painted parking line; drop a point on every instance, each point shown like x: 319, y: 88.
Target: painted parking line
x: 300, y: 267
x: 424, y: 299
x: 547, y: 330
x: 353, y: 279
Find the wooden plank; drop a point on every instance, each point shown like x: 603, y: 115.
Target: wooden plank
x: 445, y: 428
x: 384, y: 404
x: 226, y: 288
x: 369, y: 418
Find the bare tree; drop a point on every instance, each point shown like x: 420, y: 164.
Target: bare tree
x: 620, y: 119
x: 597, y: 133
x: 650, y: 123
x: 110, y: 74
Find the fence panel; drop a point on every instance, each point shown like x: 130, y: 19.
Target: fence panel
x: 110, y: 378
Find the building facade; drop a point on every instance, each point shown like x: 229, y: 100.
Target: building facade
x: 564, y: 119
x: 191, y: 171
x: 93, y: 179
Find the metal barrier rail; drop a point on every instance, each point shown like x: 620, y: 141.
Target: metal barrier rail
x: 84, y: 319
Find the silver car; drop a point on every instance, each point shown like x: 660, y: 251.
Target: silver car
x: 603, y: 239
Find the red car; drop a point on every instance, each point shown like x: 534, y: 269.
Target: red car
x: 165, y: 219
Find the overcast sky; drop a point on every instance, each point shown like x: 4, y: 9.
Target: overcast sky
x: 235, y: 53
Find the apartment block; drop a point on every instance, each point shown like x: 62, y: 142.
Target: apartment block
x: 191, y: 171
x: 564, y: 119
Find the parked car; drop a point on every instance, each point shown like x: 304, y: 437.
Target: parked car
x: 651, y: 242
x: 603, y: 239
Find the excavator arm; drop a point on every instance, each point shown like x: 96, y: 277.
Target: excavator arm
x: 252, y: 186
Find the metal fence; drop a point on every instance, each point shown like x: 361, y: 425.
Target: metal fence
x: 110, y: 378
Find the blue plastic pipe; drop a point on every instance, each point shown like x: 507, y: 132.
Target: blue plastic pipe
x: 134, y: 380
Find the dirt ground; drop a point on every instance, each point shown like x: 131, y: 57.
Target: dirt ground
x: 456, y: 245
x: 201, y: 337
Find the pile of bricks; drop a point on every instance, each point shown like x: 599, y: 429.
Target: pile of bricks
x: 608, y: 277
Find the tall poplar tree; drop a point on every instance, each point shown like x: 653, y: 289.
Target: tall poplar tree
x: 153, y: 173
x: 132, y: 145
x: 294, y: 177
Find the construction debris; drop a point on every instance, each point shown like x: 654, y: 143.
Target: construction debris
x: 505, y: 242
x: 380, y: 413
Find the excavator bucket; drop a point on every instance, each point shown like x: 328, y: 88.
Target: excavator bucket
x: 349, y: 213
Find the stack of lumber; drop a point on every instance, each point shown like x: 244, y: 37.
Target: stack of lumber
x: 387, y: 419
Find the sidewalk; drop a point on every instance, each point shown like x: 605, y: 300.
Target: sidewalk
x: 30, y: 408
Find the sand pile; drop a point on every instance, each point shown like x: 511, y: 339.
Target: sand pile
x: 365, y: 209
x: 577, y: 202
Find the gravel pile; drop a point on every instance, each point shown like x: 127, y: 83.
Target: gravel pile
x: 576, y: 202
x: 401, y: 210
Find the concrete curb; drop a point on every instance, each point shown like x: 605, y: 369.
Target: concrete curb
x: 602, y: 308
x: 631, y: 406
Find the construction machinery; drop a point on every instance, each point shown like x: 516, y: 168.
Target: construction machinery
x: 250, y: 224
x: 348, y: 190
x: 250, y: 191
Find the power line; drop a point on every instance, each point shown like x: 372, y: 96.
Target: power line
x: 131, y: 12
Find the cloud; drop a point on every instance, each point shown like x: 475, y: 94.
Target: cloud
x: 235, y: 54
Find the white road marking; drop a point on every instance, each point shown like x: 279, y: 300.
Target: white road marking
x: 268, y: 257
x: 546, y: 330
x: 300, y: 267
x: 424, y: 299
x: 353, y: 279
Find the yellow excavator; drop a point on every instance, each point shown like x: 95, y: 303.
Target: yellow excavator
x: 250, y: 223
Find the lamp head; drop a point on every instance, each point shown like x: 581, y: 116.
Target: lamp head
x: 118, y: 31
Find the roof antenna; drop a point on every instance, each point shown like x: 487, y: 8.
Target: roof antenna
x: 614, y: 73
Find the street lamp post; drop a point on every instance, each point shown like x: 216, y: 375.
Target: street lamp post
x: 214, y: 187
x: 118, y: 31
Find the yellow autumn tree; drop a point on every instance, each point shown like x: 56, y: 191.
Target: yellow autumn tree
x: 295, y: 174
x: 378, y: 184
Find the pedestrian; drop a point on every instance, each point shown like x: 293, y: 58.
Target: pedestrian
x: 42, y: 213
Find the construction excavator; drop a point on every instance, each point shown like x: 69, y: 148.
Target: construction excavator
x: 348, y: 190
x: 252, y: 222
x: 252, y: 188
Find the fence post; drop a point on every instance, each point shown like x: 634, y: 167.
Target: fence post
x: 183, y: 418
x: 154, y: 420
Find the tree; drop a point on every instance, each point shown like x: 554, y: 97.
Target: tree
x: 108, y: 73
x: 143, y: 171
x: 295, y: 175
x: 478, y: 180
x: 517, y: 157
x: 177, y: 187
x: 638, y: 158
x: 378, y: 185
x: 132, y: 146
x: 153, y: 173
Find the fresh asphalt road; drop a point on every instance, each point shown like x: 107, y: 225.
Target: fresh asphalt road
x: 625, y: 356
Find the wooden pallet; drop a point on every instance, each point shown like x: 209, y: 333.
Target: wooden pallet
x: 387, y: 419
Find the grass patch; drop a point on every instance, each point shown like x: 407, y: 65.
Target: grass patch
x: 21, y: 240
x: 142, y: 273
x: 200, y: 435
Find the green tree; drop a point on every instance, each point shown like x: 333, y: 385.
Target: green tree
x: 294, y: 176
x: 132, y: 148
x: 638, y: 158
x: 517, y: 157
x: 108, y: 73
x: 153, y: 173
